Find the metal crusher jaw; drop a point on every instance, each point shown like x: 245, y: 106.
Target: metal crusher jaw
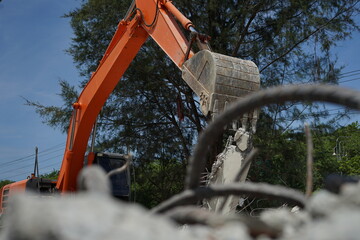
x: 219, y: 80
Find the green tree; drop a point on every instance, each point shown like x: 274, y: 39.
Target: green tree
x: 347, y: 149
x: 282, y: 157
x: 51, y: 175
x: 5, y: 182
x: 157, y: 181
x: 289, y: 40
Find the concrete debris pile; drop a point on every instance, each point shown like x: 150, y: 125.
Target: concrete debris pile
x: 95, y: 216
x: 92, y: 215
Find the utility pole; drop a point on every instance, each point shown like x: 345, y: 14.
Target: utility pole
x: 36, y: 166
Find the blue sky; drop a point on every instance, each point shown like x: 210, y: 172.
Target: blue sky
x: 33, y: 37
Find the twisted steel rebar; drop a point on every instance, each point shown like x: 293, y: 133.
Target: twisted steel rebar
x: 195, y: 215
x: 191, y: 196
x: 309, y: 161
x: 276, y: 95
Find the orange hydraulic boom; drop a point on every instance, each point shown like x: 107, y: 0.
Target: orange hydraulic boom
x: 150, y: 18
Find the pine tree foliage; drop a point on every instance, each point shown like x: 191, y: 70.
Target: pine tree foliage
x: 347, y: 149
x: 54, y: 174
x: 5, y: 182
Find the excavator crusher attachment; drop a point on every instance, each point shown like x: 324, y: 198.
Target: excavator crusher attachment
x: 219, y: 80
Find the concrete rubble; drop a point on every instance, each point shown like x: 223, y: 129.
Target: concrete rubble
x: 327, y: 216
x: 226, y: 167
x: 94, y: 215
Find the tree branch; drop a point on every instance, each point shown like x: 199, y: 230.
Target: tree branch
x: 246, y: 28
x: 307, y: 37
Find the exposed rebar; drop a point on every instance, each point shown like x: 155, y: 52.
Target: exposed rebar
x: 189, y: 197
x: 276, y: 95
x: 309, y: 161
x: 247, y: 161
x: 194, y: 215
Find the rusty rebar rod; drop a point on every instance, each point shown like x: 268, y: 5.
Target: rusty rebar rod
x: 263, y: 190
x: 276, y: 95
x: 194, y: 215
x: 309, y: 161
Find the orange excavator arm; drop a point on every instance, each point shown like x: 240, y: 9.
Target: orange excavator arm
x: 216, y: 79
x: 155, y: 18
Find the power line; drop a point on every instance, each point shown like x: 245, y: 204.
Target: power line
x: 46, y: 152
x: 349, y: 74
x: 49, y: 171
x: 12, y: 163
x: 358, y: 70
x: 51, y: 165
x: 354, y: 74
x: 309, y: 115
x: 24, y: 173
x: 29, y: 165
x: 32, y: 155
x: 56, y: 146
x: 350, y: 80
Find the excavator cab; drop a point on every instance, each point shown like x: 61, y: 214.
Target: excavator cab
x: 120, y: 182
x: 46, y: 187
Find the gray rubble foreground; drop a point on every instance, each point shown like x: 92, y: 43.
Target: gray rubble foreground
x: 97, y: 216
x: 94, y: 216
